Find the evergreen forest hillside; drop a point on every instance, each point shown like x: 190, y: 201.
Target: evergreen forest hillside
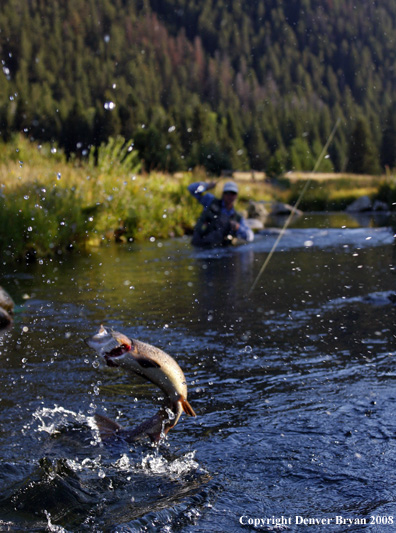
x: 222, y: 84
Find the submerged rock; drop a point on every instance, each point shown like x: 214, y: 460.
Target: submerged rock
x: 262, y: 210
x: 364, y: 203
x: 6, y: 302
x: 257, y: 211
x: 6, y: 308
x: 5, y: 318
x: 360, y: 204
x: 392, y: 297
x: 380, y: 206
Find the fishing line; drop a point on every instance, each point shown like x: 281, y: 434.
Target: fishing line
x: 289, y: 218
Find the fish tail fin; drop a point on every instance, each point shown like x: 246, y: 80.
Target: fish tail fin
x: 107, y: 428
x: 187, y: 407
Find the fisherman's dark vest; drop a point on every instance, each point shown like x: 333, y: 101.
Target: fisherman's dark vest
x: 213, y: 227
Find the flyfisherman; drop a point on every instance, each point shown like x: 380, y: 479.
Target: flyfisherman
x: 219, y: 224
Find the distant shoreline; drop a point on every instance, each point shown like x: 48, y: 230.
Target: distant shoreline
x: 296, y: 175
x: 50, y: 206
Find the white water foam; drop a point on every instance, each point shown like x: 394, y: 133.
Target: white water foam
x: 323, y: 238
x: 157, y: 464
x: 53, y: 528
x: 52, y: 419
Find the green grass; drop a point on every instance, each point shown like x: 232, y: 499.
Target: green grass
x: 49, y: 206
x: 337, y: 194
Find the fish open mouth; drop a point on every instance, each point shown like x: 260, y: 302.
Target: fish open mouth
x: 116, y: 352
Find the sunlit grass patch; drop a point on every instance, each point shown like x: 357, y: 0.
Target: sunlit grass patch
x: 49, y: 205
x: 331, y: 195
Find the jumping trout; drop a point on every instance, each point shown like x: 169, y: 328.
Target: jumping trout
x: 152, y: 364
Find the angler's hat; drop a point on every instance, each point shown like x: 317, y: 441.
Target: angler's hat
x: 231, y: 186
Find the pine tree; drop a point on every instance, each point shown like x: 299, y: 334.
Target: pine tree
x: 363, y: 157
x: 257, y: 148
x: 258, y: 61
x: 76, y: 134
x: 388, y: 145
x: 300, y: 157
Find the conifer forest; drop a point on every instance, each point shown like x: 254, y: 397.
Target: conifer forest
x: 221, y: 84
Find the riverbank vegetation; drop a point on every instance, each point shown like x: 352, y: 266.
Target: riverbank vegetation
x: 49, y: 205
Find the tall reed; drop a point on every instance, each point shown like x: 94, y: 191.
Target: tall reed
x: 48, y: 205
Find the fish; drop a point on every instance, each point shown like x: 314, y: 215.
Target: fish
x: 153, y: 364
x: 155, y: 428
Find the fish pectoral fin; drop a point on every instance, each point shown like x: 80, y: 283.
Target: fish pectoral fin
x: 145, y: 362
x: 107, y: 428
x: 187, y: 407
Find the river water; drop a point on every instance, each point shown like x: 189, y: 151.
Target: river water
x: 293, y: 383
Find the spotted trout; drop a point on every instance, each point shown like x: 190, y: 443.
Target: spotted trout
x: 153, y: 364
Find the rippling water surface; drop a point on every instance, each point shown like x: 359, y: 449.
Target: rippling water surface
x: 293, y: 385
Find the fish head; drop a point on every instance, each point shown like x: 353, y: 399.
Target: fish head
x: 110, y: 344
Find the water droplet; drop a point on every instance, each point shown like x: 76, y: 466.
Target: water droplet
x: 109, y: 106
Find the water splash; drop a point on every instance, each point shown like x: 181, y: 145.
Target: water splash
x: 174, y: 469
x: 57, y: 417
x: 51, y: 527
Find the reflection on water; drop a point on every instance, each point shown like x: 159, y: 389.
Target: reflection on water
x: 293, y: 386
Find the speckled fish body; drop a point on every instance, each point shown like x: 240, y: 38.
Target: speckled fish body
x: 154, y: 365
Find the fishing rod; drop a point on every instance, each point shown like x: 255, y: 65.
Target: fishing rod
x: 289, y: 218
